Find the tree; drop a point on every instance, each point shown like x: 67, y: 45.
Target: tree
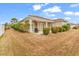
x: 7, y: 26
x: 13, y: 20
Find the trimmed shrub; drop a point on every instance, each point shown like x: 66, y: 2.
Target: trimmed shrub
x: 60, y: 29
x: 15, y: 26
x: 76, y: 27
x: 63, y: 28
x: 46, y: 31
x: 54, y: 29
x: 23, y: 27
x: 66, y: 27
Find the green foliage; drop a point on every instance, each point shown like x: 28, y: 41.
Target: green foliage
x: 7, y: 26
x: 14, y: 20
x: 54, y: 29
x: 23, y: 27
x: 46, y: 31
x: 66, y: 27
x: 15, y: 26
x: 60, y: 29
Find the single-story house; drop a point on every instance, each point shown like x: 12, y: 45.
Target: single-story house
x: 72, y: 25
x: 1, y: 30
x: 37, y: 22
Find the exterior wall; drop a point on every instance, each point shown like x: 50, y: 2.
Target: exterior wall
x: 72, y: 26
x: 41, y: 25
x: 59, y: 24
x: 1, y: 29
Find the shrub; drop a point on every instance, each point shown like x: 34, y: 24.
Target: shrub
x: 76, y: 27
x: 15, y: 26
x: 7, y: 26
x: 46, y: 31
x: 66, y: 27
x: 54, y: 29
x: 63, y: 28
x: 60, y: 29
x: 23, y: 27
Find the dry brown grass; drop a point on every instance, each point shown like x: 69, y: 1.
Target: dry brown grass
x: 17, y: 43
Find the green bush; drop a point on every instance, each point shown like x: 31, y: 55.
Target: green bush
x: 15, y: 26
x: 7, y: 26
x: 54, y: 29
x: 46, y: 31
x: 63, y: 28
x: 23, y: 27
x: 60, y: 29
x: 66, y: 27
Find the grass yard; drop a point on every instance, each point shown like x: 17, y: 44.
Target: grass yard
x: 16, y: 43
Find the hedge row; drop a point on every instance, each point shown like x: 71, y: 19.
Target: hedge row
x: 56, y: 29
x: 23, y: 27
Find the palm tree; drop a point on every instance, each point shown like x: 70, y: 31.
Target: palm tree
x: 14, y: 20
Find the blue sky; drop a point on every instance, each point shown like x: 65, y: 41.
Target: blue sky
x: 67, y: 11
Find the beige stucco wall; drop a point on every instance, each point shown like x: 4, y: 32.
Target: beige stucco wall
x: 59, y: 24
x: 1, y: 29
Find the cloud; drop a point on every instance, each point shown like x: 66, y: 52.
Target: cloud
x: 37, y: 7
x: 74, y: 5
x: 49, y: 14
x: 71, y: 13
x: 68, y: 13
x: 77, y: 13
x: 67, y: 18
x: 55, y: 18
x: 54, y: 9
x: 52, y: 14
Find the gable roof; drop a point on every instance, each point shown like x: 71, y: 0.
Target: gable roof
x: 59, y: 20
x: 38, y: 18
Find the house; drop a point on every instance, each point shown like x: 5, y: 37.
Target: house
x: 37, y: 23
x: 72, y: 25
x: 1, y: 30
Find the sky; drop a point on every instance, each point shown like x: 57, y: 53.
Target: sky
x: 67, y: 11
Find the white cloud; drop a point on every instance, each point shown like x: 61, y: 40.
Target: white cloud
x: 74, y: 5
x: 55, y: 18
x: 49, y: 14
x: 67, y: 18
x: 53, y: 9
x: 71, y: 13
x: 52, y: 14
x: 68, y: 13
x: 77, y: 13
x: 37, y: 7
